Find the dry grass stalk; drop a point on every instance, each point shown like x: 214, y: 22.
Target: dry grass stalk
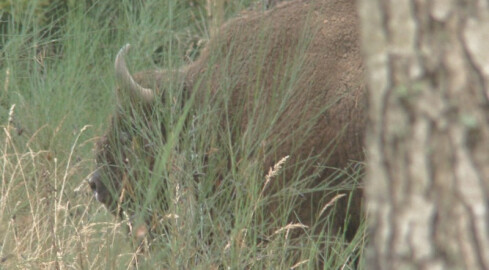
x: 331, y: 202
x: 7, y: 78
x: 239, y: 240
x: 11, y: 115
x: 299, y: 264
x: 271, y: 173
x: 274, y: 171
x: 289, y: 227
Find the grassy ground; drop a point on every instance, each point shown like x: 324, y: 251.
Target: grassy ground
x: 56, y: 94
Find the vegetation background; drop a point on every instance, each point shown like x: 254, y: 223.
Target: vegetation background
x: 56, y: 94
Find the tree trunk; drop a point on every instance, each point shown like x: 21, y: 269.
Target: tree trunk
x: 427, y: 186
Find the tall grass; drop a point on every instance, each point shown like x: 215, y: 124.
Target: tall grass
x: 56, y: 94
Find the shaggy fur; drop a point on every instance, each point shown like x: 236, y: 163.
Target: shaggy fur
x: 310, y: 50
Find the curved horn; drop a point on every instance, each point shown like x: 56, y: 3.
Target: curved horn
x: 125, y: 78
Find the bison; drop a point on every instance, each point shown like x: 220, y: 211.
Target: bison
x: 283, y: 82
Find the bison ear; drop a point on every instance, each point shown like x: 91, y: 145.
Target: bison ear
x: 127, y: 83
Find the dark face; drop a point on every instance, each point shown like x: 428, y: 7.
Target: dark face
x: 111, y: 163
x: 124, y: 156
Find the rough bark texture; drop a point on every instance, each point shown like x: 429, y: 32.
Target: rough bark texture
x: 427, y: 187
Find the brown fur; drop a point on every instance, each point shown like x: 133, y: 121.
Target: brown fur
x: 314, y: 46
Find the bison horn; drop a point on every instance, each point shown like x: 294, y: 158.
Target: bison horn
x: 125, y: 79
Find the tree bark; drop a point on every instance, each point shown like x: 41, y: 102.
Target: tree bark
x: 427, y: 186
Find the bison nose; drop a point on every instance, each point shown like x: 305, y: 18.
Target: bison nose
x: 97, y: 187
x: 93, y: 181
x: 93, y: 186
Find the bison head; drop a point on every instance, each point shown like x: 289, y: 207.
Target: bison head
x: 127, y: 150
